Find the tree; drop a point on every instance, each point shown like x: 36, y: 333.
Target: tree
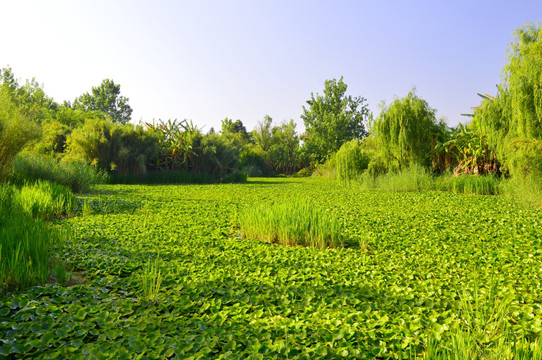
x: 30, y: 98
x: 407, y: 130
x: 263, y: 133
x: 332, y: 119
x: 107, y: 99
x: 523, y: 83
x: 234, y: 127
x: 512, y: 121
x: 16, y: 131
x: 284, y: 148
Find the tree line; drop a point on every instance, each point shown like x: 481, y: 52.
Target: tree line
x: 503, y: 136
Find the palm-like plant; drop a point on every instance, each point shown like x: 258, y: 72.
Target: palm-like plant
x: 178, y: 142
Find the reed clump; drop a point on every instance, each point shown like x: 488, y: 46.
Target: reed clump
x: 298, y: 222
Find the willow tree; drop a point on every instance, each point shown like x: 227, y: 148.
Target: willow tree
x: 523, y: 83
x: 407, y: 130
x: 513, y: 120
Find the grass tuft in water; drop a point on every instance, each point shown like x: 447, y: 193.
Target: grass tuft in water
x: 297, y: 222
x: 151, y: 280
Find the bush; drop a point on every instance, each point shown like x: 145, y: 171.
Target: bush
x: 78, y: 176
x: 252, y: 163
x: 305, y: 172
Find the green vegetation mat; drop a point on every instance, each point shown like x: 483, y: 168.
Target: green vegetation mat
x: 418, y: 256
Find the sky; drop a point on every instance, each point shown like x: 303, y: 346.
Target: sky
x: 207, y: 60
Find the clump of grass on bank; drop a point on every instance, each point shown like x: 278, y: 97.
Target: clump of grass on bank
x: 527, y: 191
x: 469, y: 184
x: 297, y: 222
x: 26, y: 244
x: 415, y: 178
x: 78, y: 176
x: 44, y: 200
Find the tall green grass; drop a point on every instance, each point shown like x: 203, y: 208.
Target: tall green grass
x: 44, y: 200
x: 296, y: 222
x: 469, y: 184
x: 485, y: 330
x: 526, y: 191
x: 27, y: 245
x: 78, y: 176
x: 415, y: 178
x: 151, y: 280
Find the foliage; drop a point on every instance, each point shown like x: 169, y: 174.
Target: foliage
x: 235, y: 127
x: 293, y: 223
x: 469, y: 147
x: 219, y: 155
x: 524, y: 190
x: 179, y: 142
x: 252, y: 162
x: 263, y: 133
x: 16, y: 131
x: 511, y: 120
x: 351, y: 161
x: 106, y: 98
x: 407, y: 130
x: 222, y: 296
x: 78, y: 176
x: 331, y: 120
x: 284, y: 152
x: 523, y: 83
x: 30, y: 99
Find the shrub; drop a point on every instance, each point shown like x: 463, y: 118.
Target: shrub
x: 239, y: 177
x: 305, y: 172
x: 297, y: 222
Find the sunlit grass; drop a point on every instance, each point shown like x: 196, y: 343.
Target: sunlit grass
x: 27, y: 244
x: 296, y: 222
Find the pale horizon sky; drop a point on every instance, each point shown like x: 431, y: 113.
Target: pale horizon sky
x: 207, y: 60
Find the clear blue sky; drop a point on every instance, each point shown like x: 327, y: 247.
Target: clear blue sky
x: 207, y: 60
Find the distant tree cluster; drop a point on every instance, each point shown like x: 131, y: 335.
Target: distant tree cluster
x: 503, y: 137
